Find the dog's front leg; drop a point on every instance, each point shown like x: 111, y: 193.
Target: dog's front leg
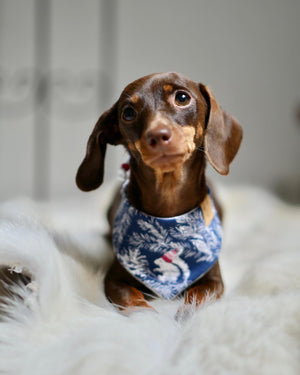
x: 119, y: 290
x: 125, y: 297
x: 210, y: 286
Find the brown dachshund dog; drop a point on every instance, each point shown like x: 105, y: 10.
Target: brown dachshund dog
x: 169, y: 125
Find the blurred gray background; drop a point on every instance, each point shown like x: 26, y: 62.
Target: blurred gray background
x: 63, y: 62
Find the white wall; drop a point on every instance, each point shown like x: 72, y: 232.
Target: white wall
x: 41, y: 148
x: 16, y: 101
x: 247, y: 51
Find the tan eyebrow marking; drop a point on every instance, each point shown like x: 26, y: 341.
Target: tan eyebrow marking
x: 134, y: 99
x: 168, y: 88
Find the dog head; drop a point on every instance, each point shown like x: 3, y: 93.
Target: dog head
x: 162, y: 120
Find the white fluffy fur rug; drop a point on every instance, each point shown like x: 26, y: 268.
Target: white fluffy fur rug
x: 66, y: 326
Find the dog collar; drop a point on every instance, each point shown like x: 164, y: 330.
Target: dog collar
x: 167, y: 254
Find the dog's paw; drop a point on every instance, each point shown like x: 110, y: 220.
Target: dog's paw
x: 135, y: 309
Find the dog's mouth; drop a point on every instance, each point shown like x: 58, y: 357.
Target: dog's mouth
x: 166, y: 161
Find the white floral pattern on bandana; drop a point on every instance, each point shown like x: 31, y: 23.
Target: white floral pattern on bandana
x: 166, y: 254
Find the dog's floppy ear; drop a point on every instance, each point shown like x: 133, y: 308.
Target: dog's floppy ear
x: 223, y: 134
x: 90, y: 173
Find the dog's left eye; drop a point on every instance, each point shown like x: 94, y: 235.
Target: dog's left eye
x: 182, y: 98
x: 128, y: 114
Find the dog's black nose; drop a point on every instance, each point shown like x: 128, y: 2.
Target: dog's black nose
x: 158, y: 136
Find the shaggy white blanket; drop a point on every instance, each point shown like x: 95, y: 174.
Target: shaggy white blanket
x: 66, y: 326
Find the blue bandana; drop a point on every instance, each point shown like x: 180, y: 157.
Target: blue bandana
x: 167, y: 254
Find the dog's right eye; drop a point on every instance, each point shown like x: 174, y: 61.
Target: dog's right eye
x: 128, y: 114
x: 182, y: 99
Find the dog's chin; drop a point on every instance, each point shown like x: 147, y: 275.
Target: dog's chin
x: 168, y: 163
